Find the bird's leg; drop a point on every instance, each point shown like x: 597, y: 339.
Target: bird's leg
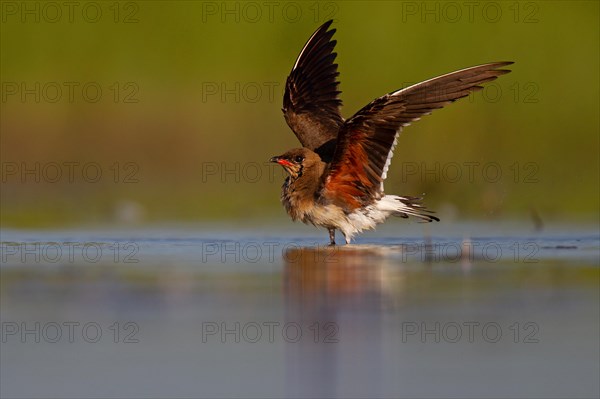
x: 331, y: 237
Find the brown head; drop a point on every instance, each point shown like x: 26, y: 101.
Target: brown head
x: 299, y: 162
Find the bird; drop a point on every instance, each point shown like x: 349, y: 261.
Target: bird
x: 335, y: 180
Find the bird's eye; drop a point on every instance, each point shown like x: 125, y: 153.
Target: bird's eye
x: 299, y: 158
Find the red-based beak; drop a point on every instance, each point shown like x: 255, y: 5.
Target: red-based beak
x: 280, y: 161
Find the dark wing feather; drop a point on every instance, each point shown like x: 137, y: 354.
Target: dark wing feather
x: 310, y: 104
x: 366, y: 141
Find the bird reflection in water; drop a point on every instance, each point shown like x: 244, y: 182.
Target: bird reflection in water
x: 337, y: 295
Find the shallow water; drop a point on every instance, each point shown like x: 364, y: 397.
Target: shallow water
x: 461, y: 311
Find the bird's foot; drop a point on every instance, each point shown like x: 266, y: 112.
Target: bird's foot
x: 331, y: 237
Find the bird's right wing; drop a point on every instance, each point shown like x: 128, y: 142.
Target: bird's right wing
x: 311, y: 106
x: 366, y: 141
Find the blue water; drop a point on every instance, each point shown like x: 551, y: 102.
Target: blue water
x: 221, y: 311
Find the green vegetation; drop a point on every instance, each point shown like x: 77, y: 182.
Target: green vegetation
x: 189, y: 110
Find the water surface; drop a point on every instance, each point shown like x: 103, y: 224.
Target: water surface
x: 469, y: 311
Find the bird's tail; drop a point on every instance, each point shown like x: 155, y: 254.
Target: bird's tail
x: 408, y: 206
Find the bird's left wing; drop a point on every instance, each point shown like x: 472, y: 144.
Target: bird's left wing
x: 311, y: 106
x: 366, y: 141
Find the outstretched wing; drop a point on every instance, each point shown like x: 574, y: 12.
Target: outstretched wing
x: 310, y: 104
x: 366, y: 141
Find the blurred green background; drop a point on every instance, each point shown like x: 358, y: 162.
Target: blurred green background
x: 188, y: 111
